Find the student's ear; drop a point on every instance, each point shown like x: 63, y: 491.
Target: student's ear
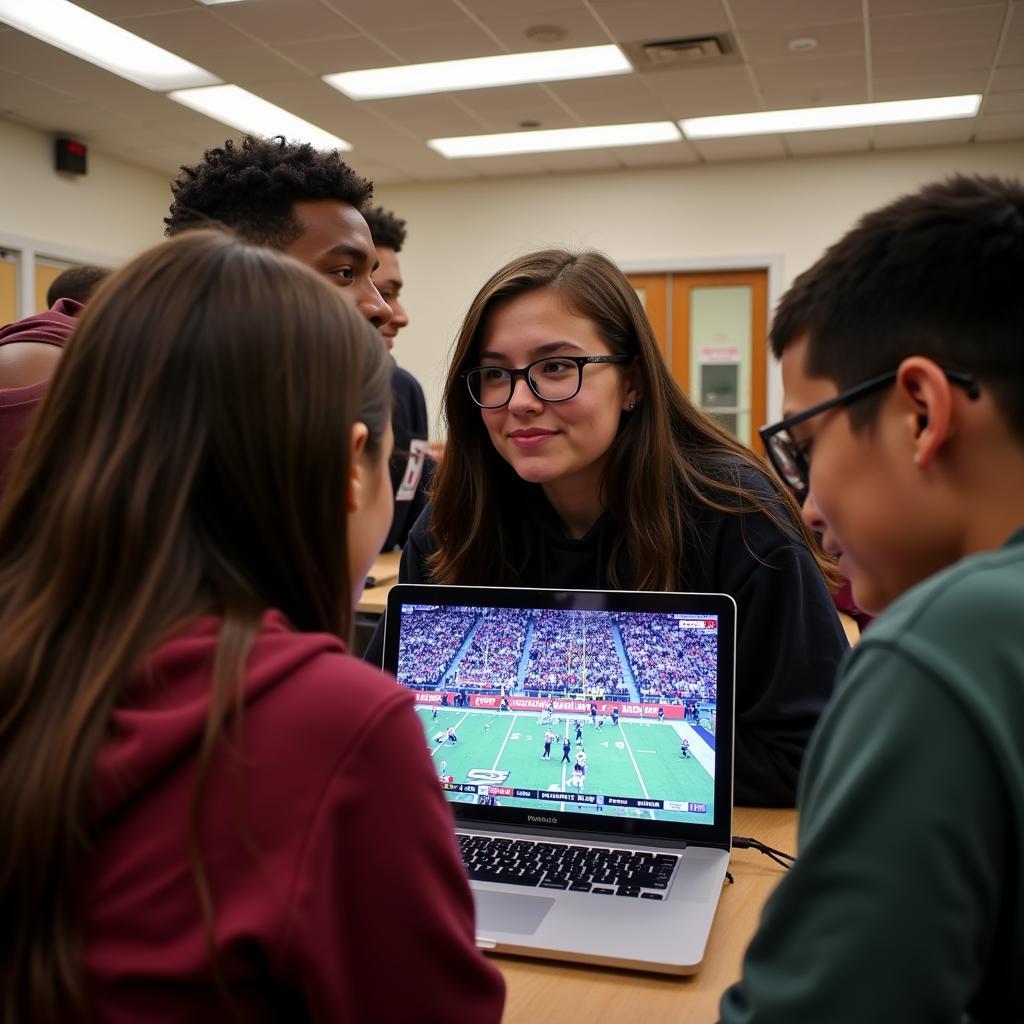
x: 357, y: 465
x: 634, y: 386
x: 930, y: 414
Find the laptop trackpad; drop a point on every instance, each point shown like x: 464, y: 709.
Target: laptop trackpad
x: 509, y: 912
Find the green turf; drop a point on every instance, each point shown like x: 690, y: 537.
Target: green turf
x: 623, y: 760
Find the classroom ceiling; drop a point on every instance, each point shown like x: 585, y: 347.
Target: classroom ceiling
x: 865, y: 50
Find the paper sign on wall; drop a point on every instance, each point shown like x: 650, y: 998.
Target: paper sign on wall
x: 719, y: 354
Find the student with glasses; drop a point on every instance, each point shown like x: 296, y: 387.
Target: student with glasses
x: 902, y: 355
x: 574, y: 460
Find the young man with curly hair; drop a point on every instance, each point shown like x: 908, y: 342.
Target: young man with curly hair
x: 902, y: 355
x: 410, y: 469
x: 287, y: 196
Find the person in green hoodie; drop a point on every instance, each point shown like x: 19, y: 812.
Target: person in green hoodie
x: 902, y: 355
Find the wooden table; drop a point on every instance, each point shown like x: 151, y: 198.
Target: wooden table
x: 543, y: 990
x: 385, y: 573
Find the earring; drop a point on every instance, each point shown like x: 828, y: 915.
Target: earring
x: 631, y: 406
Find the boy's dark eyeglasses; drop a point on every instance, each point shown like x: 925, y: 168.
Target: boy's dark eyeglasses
x: 551, y: 379
x: 789, y: 457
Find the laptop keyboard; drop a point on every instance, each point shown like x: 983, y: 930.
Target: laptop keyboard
x: 559, y: 866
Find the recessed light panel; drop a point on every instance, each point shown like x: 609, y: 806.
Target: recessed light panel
x: 555, y: 139
x: 816, y: 119
x: 481, y: 72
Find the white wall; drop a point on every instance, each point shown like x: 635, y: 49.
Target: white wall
x: 460, y: 232
x: 113, y: 212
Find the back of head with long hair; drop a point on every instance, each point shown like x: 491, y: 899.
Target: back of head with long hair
x: 191, y: 457
x: 667, y: 454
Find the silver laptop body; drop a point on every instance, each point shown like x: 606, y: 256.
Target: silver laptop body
x: 584, y: 740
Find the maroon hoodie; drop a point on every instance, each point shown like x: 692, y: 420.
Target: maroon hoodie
x: 17, y: 404
x: 337, y: 887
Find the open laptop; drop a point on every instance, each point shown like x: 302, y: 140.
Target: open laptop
x: 585, y: 742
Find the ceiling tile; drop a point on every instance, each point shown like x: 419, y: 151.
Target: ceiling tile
x: 845, y: 140
x: 758, y: 14
x: 912, y: 31
x: 630, y: 111
x: 922, y: 86
x: 1004, y: 103
x: 615, y: 88
x: 1008, y: 79
x: 703, y: 105
x: 318, y: 102
x: 426, y: 116
x: 374, y: 16
x: 1012, y: 52
x: 752, y: 147
x: 801, y: 72
x: 89, y: 81
x: 250, y: 65
x: 699, y: 82
x: 999, y: 126
x: 341, y: 53
x: 933, y: 60
x: 114, y: 9
x: 285, y: 21
x: 439, y: 42
x: 376, y: 171
x: 71, y: 118
x: 532, y: 100
x: 499, y: 8
x: 814, y: 96
x: 579, y: 160
x: 652, y: 20
x: 502, y: 166
x: 1017, y: 19
x: 581, y: 28
x: 914, y: 6
x: 657, y: 156
x: 21, y: 54
x: 20, y: 93
x: 186, y: 33
x: 934, y: 133
x: 772, y: 44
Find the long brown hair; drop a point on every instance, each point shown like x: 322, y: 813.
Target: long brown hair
x: 191, y: 457
x: 667, y: 455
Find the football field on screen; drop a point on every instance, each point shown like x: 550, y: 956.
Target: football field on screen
x: 633, y: 759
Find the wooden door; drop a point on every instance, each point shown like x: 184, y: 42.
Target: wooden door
x: 712, y: 329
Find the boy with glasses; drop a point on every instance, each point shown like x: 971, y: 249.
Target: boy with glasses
x: 902, y: 355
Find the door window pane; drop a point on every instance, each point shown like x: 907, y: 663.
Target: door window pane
x: 720, y: 354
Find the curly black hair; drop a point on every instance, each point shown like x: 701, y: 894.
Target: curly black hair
x: 385, y: 228
x: 251, y: 187
x: 76, y: 283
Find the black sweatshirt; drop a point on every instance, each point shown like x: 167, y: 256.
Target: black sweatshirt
x: 789, y: 642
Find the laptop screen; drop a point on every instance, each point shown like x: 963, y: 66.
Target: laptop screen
x: 600, y: 706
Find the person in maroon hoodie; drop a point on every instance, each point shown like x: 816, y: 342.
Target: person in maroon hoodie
x: 211, y: 811
x: 29, y: 350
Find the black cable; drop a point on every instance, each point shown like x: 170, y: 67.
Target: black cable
x: 781, y: 858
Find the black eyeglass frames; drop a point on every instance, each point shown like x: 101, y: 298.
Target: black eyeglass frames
x: 789, y: 457
x: 551, y: 379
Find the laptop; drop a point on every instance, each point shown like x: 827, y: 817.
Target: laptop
x: 584, y: 740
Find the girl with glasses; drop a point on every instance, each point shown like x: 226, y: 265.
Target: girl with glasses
x: 211, y: 811
x: 574, y: 460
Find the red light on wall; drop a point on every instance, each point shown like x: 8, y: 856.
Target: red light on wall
x: 70, y: 156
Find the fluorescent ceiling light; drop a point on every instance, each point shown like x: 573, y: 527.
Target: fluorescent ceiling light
x: 240, y: 109
x: 481, y: 72
x: 816, y: 119
x: 555, y: 139
x: 100, y: 42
